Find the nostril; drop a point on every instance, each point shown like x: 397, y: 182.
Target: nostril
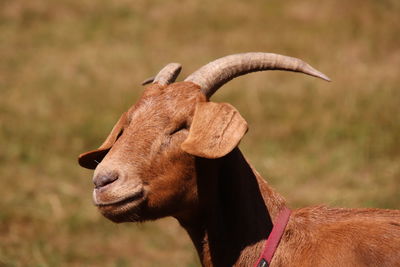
x: 102, y: 180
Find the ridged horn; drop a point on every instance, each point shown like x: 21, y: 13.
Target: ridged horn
x: 212, y: 76
x: 167, y: 75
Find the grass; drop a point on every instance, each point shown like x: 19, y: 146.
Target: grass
x: 69, y: 68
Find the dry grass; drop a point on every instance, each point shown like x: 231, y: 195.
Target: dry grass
x: 69, y: 68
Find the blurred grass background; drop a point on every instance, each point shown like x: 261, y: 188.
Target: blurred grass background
x: 69, y: 68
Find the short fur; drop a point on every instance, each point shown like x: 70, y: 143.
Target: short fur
x: 226, y: 207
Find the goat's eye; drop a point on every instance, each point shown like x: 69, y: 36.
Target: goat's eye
x: 179, y: 128
x: 119, y: 134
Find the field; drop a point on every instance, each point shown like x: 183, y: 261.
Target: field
x: 68, y: 69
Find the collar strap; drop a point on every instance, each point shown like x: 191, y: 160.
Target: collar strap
x: 273, y: 239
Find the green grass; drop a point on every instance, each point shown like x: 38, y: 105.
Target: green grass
x: 68, y: 69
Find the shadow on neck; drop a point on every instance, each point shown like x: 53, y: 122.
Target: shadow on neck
x: 234, y: 217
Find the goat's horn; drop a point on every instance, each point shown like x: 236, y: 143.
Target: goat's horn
x: 212, y: 76
x: 167, y: 75
x: 148, y: 80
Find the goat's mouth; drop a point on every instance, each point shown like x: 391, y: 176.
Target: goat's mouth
x: 122, y: 209
x: 136, y: 197
x: 118, y: 196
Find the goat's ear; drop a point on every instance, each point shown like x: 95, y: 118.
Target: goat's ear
x: 91, y: 159
x: 215, y: 131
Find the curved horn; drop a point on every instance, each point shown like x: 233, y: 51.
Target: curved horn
x: 212, y: 76
x: 166, y: 76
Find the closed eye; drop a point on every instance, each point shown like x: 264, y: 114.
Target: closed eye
x: 179, y: 128
x: 119, y: 134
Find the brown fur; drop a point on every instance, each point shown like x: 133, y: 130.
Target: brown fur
x: 226, y: 207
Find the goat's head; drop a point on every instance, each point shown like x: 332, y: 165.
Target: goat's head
x: 145, y: 169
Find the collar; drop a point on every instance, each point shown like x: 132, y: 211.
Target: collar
x: 273, y: 239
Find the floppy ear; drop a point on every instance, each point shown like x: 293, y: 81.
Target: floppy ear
x: 216, y: 130
x: 90, y: 159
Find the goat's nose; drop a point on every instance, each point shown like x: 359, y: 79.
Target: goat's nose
x: 103, y: 179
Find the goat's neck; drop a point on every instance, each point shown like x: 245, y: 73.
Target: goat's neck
x: 237, y: 208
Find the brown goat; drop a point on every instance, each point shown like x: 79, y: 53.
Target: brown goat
x: 174, y: 153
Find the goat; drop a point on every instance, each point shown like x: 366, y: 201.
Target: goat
x: 175, y: 153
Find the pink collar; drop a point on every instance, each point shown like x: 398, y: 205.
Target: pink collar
x: 273, y: 239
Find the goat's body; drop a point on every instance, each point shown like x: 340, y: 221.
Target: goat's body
x: 232, y: 231
x: 322, y: 236
x: 174, y: 153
